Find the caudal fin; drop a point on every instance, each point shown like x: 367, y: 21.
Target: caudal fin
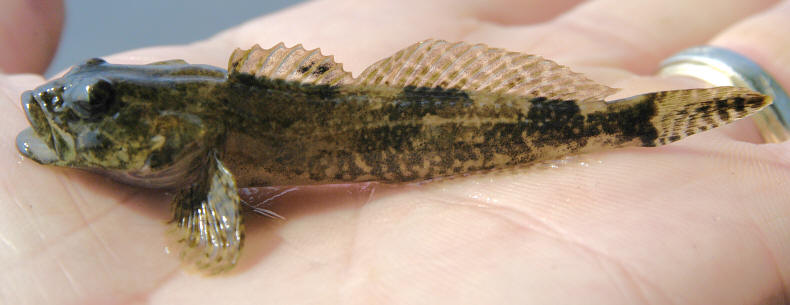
x: 681, y: 113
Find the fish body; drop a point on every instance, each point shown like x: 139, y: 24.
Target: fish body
x: 388, y: 134
x: 290, y: 116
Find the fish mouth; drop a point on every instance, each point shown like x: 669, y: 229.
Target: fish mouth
x: 29, y: 142
x: 29, y: 145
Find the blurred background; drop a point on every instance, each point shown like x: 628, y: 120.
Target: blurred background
x: 94, y: 28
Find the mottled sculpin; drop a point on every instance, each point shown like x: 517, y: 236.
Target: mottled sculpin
x: 290, y: 116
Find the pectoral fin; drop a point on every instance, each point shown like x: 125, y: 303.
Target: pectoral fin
x: 207, y: 220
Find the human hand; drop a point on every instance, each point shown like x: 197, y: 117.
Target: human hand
x: 700, y: 221
x: 29, y: 34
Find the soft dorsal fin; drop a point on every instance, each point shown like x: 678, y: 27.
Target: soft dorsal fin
x: 463, y: 66
x: 292, y: 64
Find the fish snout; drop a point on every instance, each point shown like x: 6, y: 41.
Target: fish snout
x: 35, y: 142
x: 33, y: 111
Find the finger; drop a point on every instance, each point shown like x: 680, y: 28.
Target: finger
x: 765, y: 38
x: 29, y: 34
x: 356, y: 33
x: 634, y: 35
x: 503, y: 12
x: 762, y: 38
x: 359, y: 33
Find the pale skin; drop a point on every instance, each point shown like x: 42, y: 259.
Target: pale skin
x: 702, y: 221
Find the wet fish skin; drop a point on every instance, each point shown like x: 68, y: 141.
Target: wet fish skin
x: 290, y: 116
x: 142, y: 128
x: 348, y: 133
x: 355, y: 134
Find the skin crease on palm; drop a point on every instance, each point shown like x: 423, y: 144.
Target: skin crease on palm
x: 700, y: 221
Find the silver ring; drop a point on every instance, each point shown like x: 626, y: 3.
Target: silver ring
x: 722, y: 67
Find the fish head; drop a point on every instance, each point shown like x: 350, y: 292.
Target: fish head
x: 147, y: 125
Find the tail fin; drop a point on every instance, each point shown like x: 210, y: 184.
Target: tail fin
x: 681, y: 113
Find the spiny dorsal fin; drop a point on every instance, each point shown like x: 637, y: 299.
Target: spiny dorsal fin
x: 463, y: 66
x: 292, y: 64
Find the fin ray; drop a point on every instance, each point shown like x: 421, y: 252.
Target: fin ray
x: 681, y: 113
x: 463, y: 66
x: 207, y: 221
x: 290, y: 64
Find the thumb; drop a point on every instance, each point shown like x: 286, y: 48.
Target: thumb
x: 29, y: 34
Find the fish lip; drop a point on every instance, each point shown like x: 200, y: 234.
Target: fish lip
x: 35, y: 142
x: 35, y: 113
x: 30, y: 145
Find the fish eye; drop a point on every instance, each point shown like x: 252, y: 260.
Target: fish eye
x: 100, y: 95
x: 85, y: 64
x: 90, y: 99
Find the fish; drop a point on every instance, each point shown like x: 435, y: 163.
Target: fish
x: 291, y: 116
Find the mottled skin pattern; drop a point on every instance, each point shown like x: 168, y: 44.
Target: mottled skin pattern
x: 144, y: 125
x: 207, y: 133
x: 303, y: 134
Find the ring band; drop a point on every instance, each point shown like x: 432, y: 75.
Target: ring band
x: 722, y: 67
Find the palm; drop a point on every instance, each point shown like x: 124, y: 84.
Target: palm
x: 687, y: 223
